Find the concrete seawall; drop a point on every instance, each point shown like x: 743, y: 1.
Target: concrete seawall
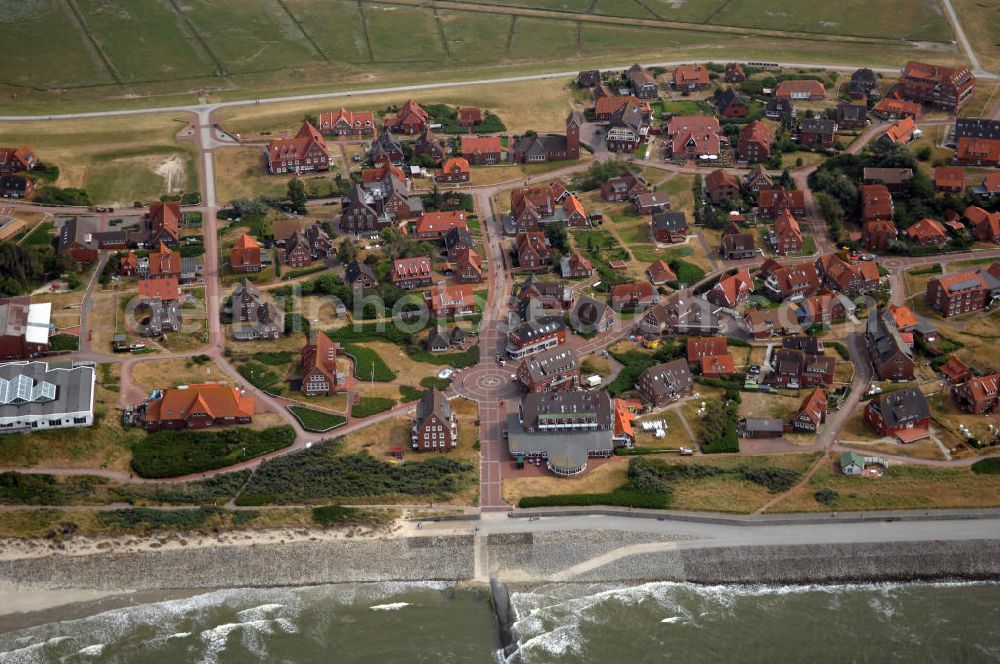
x: 588, y: 556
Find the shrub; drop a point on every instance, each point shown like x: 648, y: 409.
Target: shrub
x: 320, y: 474
x: 410, y: 393
x: 435, y: 382
x: 60, y: 342
x: 718, y: 433
x: 826, y: 496
x: 328, y: 515
x: 841, y: 350
x: 144, y: 519
x: 368, y: 406
x: 617, y: 498
x: 775, y: 480
x: 176, y: 453
x: 989, y: 466
x: 274, y: 358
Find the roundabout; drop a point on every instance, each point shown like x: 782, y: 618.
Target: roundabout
x: 485, y: 383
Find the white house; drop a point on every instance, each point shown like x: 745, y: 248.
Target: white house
x: 34, y: 397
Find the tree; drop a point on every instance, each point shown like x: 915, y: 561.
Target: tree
x: 297, y: 195
x: 348, y: 251
x: 395, y: 242
x: 557, y: 237
x: 786, y: 180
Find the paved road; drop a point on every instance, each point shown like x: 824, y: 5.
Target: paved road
x: 964, y: 41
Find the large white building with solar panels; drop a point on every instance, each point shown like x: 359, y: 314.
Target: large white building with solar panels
x: 35, y: 397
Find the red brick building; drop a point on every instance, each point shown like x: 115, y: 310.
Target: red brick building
x: 305, y: 152
x: 482, y: 150
x: 947, y: 88
x: 960, y: 293
x: 347, y: 123
x: 14, y: 160
x: 786, y: 238
x: 197, y: 407
x: 755, y: 142
x: 435, y: 225
x: 410, y: 119
x: 435, y: 428
x: 532, y: 251
x: 245, y: 255
x: 410, y: 273
x: 454, y: 170
x: 319, y: 367
x: 772, y: 202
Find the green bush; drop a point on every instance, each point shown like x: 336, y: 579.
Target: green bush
x: 410, y: 393
x: 368, y: 406
x: 176, y: 453
x: 435, y: 382
x: 718, y: 433
x: 321, y: 474
x: 687, y: 273
x: 144, y: 520
x: 989, y: 466
x: 274, y: 358
x: 841, y: 350
x: 60, y: 342
x: 316, y: 420
x: 826, y: 496
x: 618, y: 498
x: 329, y: 515
x: 211, y: 490
x: 776, y: 480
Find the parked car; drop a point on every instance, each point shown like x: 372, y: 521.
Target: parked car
x: 446, y: 373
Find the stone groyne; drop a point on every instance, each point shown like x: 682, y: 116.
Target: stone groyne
x: 585, y: 556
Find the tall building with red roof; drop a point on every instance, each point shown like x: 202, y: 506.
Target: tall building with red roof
x: 305, y: 152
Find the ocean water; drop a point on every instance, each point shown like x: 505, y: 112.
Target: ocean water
x: 422, y: 622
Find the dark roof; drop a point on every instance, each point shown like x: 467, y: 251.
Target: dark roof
x: 538, y: 327
x: 818, y: 126
x: 433, y: 403
x: 884, y: 340
x: 729, y: 97
x: 436, y: 339
x: 670, y: 221
x: 977, y: 128
x: 902, y: 407
x: 554, y: 362
x: 669, y: 378
x: 865, y: 76
x: 587, y: 313
x: 854, y: 112
x: 806, y: 343
x: 760, y: 425
x: 458, y: 236
x: 780, y: 106
x: 357, y: 269
x: 541, y: 145
x: 558, y: 405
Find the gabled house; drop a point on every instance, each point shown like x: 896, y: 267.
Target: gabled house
x: 757, y: 180
x: 850, y: 278
x: 768, y: 323
x: 694, y: 137
x: 164, y: 263
x: 731, y: 290
x: 16, y: 186
x: 164, y: 220
x: 928, y: 233
x: 370, y: 208
x: 303, y: 153
x: 642, y: 82
x: 812, y: 412
x: 245, y: 255
x: 720, y: 185
x: 689, y: 78
x: 320, y: 376
x: 893, y: 108
x: 590, y: 316
x: 668, y: 227
x: 890, y: 354
x: 736, y: 244
x: 387, y: 149
x: 456, y: 300
x: 72, y: 242
x: 532, y: 251
x: 659, y: 273
x: 16, y: 160
x: 985, y: 226
x: 428, y: 145
x: 894, y: 179
x: 435, y: 428
x: 650, y: 203
x: 794, y: 368
x: 468, y: 267
x: 665, y: 383
x: 410, y: 273
x: 978, y: 394
x: 984, y: 152
x: 817, y: 133
x: 532, y: 207
x: 851, y: 116
x: 253, y: 316
x: 360, y: 275
x: 539, y: 149
x: 779, y: 109
x: 681, y: 314
x: 553, y: 370
x: 955, y: 370
x: 701, y: 347
x: 786, y: 236
x: 800, y: 90
x: 457, y: 240
x: 634, y: 296
x: 482, y: 150
x: 623, y: 188
x: 876, y: 202
x: 410, y: 119
x: 877, y: 235
x: 469, y: 116
x: 347, y: 123
x: 732, y: 105
x: 535, y: 335
x: 755, y: 142
x: 902, y: 414
x: 790, y: 280
x: 772, y: 202
x: 900, y: 132
x: 576, y: 266
x: 734, y: 73
x: 959, y: 293
x: 949, y: 179
x: 825, y: 308
x: 454, y: 170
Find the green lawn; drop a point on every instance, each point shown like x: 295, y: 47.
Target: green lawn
x: 315, y: 420
x: 368, y: 406
x: 369, y: 365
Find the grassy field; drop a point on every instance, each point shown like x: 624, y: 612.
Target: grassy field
x: 113, y: 159
x: 981, y: 22
x: 129, y: 53
x: 903, y: 487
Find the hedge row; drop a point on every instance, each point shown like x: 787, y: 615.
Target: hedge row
x: 175, y: 453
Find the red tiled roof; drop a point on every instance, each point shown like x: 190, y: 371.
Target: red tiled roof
x: 699, y: 347
x: 210, y: 399
x: 481, y: 145
x: 788, y: 88
x: 358, y: 119
x: 408, y: 268
x: 875, y: 201
x: 164, y: 261
x: 978, y: 149
x: 688, y: 74
x: 893, y: 106
x: 440, y: 222
x: 158, y: 289
x: 608, y: 105
x: 734, y: 285
x: 718, y: 365
x: 948, y: 177
x: 757, y: 131
x: 165, y: 217
x: 660, y: 271
x: 947, y: 281
x: 927, y: 230
x: 786, y: 225
x: 770, y: 198
x: 450, y: 297
x: 297, y: 147
x: 902, y: 131
x: 955, y: 370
